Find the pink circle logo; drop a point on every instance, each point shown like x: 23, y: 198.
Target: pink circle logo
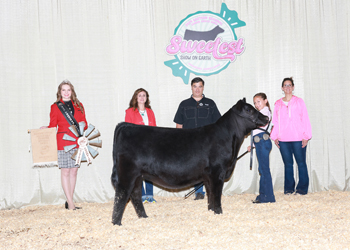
x: 205, y: 43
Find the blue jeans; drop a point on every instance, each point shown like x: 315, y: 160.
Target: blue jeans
x: 263, y: 149
x: 288, y: 149
x: 149, y: 189
x: 200, y: 190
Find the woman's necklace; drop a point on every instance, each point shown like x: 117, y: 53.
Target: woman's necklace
x: 69, y: 105
x: 142, y: 112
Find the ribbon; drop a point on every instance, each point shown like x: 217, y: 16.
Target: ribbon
x: 83, y: 142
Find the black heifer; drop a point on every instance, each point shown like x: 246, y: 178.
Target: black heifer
x: 177, y: 158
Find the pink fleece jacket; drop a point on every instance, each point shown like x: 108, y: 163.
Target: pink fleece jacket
x: 291, y: 123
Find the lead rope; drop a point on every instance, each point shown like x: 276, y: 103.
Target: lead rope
x: 201, y: 185
x: 251, y: 150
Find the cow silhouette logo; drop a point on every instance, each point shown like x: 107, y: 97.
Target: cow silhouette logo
x: 205, y: 43
x: 203, y: 35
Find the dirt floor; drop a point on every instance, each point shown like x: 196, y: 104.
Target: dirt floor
x: 314, y: 221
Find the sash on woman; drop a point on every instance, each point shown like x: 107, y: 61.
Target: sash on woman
x: 85, y: 152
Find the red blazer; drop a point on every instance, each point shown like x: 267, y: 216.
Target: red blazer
x: 133, y: 116
x: 57, y: 119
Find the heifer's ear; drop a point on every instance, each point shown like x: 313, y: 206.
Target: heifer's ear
x: 244, y: 100
x: 238, y: 105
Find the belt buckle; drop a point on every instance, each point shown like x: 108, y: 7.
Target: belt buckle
x: 266, y: 137
x: 256, y: 139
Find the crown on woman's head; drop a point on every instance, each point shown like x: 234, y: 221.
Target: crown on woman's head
x: 66, y: 81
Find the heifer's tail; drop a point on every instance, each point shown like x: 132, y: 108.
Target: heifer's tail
x: 114, y: 176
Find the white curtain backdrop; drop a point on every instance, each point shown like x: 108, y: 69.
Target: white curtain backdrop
x: 108, y: 49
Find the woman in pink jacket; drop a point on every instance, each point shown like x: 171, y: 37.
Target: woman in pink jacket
x: 291, y: 133
x: 140, y: 112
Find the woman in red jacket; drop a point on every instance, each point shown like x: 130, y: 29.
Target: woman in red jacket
x: 66, y: 94
x: 140, y: 112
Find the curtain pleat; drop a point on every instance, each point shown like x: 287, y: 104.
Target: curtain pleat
x: 108, y: 49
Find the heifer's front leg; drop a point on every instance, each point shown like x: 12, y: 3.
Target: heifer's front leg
x: 209, y: 195
x: 136, y: 199
x: 217, y: 193
x: 216, y: 185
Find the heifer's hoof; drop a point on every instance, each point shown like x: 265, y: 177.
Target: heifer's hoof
x: 119, y: 223
x: 143, y: 216
x: 218, y: 210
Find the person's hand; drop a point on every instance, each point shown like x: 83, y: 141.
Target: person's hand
x: 248, y: 148
x: 42, y: 127
x: 304, y: 143
x: 277, y: 143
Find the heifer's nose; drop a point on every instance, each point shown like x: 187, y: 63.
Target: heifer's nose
x: 267, y: 119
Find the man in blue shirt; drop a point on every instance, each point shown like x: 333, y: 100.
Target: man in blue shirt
x: 196, y: 111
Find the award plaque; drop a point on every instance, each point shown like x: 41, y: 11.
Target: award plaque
x: 44, y: 147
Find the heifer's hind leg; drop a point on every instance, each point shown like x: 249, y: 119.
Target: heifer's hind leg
x: 123, y: 178
x: 120, y: 200
x: 123, y: 190
x: 136, y: 198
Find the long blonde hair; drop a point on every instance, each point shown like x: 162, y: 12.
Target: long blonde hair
x: 73, y: 97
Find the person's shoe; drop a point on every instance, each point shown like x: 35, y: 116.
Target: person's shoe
x: 199, y: 196
x: 144, y: 200
x: 66, y: 206
x: 256, y: 201
x: 151, y: 200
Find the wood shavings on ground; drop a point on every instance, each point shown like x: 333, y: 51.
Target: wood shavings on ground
x: 314, y: 221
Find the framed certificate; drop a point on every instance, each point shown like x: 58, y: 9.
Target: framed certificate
x: 44, y: 147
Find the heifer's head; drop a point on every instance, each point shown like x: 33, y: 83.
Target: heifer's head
x: 251, y: 118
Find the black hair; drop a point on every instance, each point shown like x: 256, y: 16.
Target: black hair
x: 288, y: 79
x: 197, y: 79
